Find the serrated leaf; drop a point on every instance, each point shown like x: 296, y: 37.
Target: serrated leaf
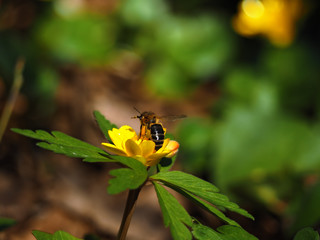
x: 185, y: 180
x: 38, y: 134
x: 201, y: 232
x: 6, y: 223
x: 235, y: 233
x: 174, y: 215
x: 104, y: 124
x: 61, y: 143
x: 208, y: 207
x: 71, y: 141
x: 127, y: 178
x: 70, y: 151
x: 226, y: 232
x: 59, y: 235
x: 200, y: 188
x: 307, y: 234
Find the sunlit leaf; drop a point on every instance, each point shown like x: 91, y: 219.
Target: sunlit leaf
x: 104, y: 124
x: 174, y: 215
x: 127, y: 178
x: 198, y: 187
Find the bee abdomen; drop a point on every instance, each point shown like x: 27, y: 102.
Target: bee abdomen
x: 157, y: 135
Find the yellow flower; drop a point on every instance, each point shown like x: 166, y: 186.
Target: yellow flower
x: 127, y: 143
x: 273, y: 18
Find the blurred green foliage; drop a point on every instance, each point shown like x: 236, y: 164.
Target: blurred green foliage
x: 261, y: 141
x: 307, y: 234
x: 6, y: 223
x: 265, y: 136
x: 84, y: 39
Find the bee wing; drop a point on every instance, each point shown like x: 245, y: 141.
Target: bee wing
x: 172, y: 117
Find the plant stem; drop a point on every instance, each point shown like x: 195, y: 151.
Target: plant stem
x: 128, y: 212
x: 17, y: 82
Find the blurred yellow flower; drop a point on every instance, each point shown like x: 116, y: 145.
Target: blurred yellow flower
x: 127, y: 143
x: 273, y: 18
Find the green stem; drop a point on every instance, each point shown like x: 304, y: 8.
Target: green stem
x: 128, y: 212
x: 17, y: 82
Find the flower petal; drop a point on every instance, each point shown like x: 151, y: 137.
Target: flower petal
x: 172, y: 145
x: 121, y: 135
x: 126, y: 143
x: 132, y: 148
x: 155, y: 158
x: 147, y: 148
x: 116, y: 138
x: 172, y: 154
x: 164, y: 145
x: 141, y: 159
x: 113, y: 149
x: 126, y: 132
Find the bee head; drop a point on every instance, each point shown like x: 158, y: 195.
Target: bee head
x: 146, y: 117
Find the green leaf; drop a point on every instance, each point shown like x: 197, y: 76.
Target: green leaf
x: 59, y: 235
x: 61, y: 143
x: 99, y: 159
x: 201, y: 232
x: 174, y: 215
x: 104, y: 124
x: 205, y: 185
x: 6, y: 223
x: 127, y: 178
x: 86, y: 39
x: 305, y: 210
x: 208, y: 207
x: 235, y: 233
x: 226, y: 232
x: 307, y: 234
x: 185, y: 180
x: 198, y: 187
x: 42, y: 235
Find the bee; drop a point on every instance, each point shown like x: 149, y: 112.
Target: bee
x: 151, y: 128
